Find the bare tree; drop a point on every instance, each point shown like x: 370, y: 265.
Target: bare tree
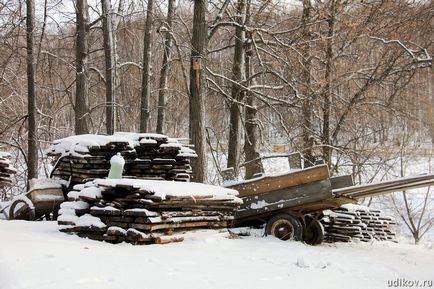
x: 166, y: 29
x: 306, y: 75
x: 32, y: 150
x: 110, y: 77
x: 146, y: 84
x: 413, y: 209
x: 81, y: 85
x: 251, y: 139
x: 198, y: 64
x: 237, y: 92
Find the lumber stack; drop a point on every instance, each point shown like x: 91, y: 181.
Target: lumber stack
x: 147, y: 156
x: 145, y: 211
x: 6, y: 170
x: 357, y: 223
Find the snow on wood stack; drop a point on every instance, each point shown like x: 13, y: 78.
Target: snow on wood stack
x: 6, y: 170
x: 354, y: 222
x: 147, y: 156
x: 144, y: 211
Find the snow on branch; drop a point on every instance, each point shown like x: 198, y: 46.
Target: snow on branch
x: 418, y: 54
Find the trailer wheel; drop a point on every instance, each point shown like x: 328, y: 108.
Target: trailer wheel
x: 22, y: 212
x: 284, y: 227
x: 314, y: 232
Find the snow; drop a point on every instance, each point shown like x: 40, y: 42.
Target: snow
x: 42, y: 184
x: 68, y: 218
x: 91, y: 193
x: 77, y: 205
x: 106, y: 208
x: 166, y: 189
x: 142, y: 212
x: 171, y: 145
x: 4, y: 210
x: 116, y: 230
x: 353, y: 208
x: 148, y: 141
x: 187, y: 152
x: 88, y: 220
x: 259, y: 205
x: 25, y: 200
x: 78, y: 145
x: 5, y: 155
x: 36, y: 255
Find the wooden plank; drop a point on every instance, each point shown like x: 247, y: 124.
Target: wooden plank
x: 284, y: 199
x: 342, y: 181
x: 386, y: 186
x: 275, y: 183
x: 188, y: 225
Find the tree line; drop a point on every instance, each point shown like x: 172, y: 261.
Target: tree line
x: 337, y: 80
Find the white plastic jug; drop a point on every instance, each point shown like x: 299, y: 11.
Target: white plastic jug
x: 117, y: 163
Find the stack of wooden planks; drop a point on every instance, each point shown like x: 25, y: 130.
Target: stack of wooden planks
x: 6, y: 170
x: 357, y: 223
x: 147, y: 156
x: 145, y: 211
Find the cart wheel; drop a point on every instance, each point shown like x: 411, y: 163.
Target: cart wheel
x: 20, y: 210
x: 285, y: 227
x: 314, y: 233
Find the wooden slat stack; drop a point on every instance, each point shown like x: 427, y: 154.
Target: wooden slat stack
x: 147, y: 156
x: 136, y: 211
x: 6, y: 170
x: 353, y: 222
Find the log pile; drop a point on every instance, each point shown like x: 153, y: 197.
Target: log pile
x: 147, y: 156
x: 6, y: 170
x: 145, y: 211
x: 357, y: 223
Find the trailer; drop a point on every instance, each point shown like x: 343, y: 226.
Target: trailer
x: 291, y: 204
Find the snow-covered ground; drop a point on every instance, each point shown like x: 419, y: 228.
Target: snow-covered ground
x: 35, y: 255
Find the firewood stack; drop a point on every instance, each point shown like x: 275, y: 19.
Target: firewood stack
x: 6, y: 170
x: 147, y: 156
x: 145, y: 211
x: 360, y: 223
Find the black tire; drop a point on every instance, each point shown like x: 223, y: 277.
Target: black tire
x: 24, y: 213
x: 314, y: 232
x: 284, y: 227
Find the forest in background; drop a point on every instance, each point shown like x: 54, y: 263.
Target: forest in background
x: 349, y: 82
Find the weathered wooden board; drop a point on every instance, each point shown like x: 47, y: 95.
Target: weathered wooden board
x: 275, y: 183
x: 286, y: 198
x: 362, y: 191
x: 341, y: 181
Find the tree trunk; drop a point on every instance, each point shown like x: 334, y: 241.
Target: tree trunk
x: 81, y: 90
x: 307, y: 103
x: 197, y: 132
x: 251, y: 149
x: 327, y: 95
x: 146, y: 83
x: 109, y: 66
x: 237, y: 93
x: 32, y: 149
x: 161, y: 114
